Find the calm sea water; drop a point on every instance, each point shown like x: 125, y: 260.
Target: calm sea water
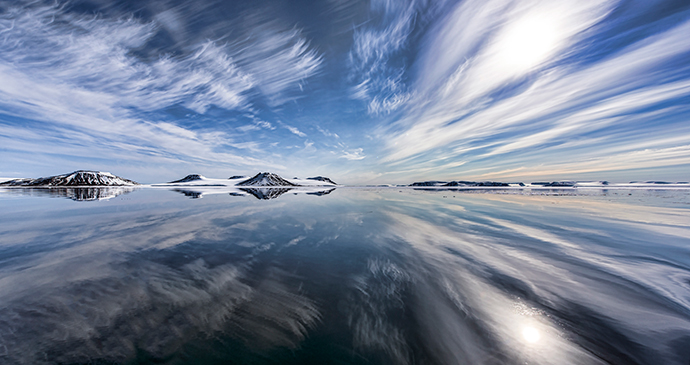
x: 354, y: 276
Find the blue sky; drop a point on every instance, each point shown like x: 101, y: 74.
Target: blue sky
x: 387, y: 91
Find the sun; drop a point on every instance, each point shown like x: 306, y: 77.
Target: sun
x: 531, y: 334
x: 529, y: 41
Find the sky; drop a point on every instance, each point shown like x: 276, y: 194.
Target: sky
x: 364, y: 92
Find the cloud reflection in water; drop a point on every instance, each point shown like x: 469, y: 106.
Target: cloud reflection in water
x: 391, y: 277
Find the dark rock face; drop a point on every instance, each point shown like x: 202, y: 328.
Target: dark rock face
x: 188, y: 178
x: 459, y: 183
x: 235, y: 177
x: 266, y: 179
x: 76, y: 178
x: 475, y: 183
x: 322, y: 178
x: 561, y: 183
x: 428, y: 183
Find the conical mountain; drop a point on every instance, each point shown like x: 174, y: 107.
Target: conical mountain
x: 266, y: 179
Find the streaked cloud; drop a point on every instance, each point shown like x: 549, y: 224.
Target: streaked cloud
x: 379, y: 80
x: 431, y: 90
x: 510, y: 75
x: 77, y: 72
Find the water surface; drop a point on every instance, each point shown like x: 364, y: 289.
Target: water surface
x: 351, y: 276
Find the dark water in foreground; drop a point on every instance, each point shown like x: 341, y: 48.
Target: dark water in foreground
x: 354, y: 276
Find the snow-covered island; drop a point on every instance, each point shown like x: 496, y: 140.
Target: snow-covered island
x: 263, y: 186
x: 78, y: 178
x: 262, y: 179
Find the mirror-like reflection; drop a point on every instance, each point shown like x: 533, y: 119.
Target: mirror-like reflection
x: 266, y: 193
x: 77, y: 194
x: 261, y: 193
x: 375, y: 276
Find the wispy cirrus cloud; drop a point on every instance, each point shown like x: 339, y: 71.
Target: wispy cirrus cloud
x: 74, y: 72
x: 326, y: 132
x: 293, y: 130
x: 279, y: 62
x: 518, y: 77
x: 377, y: 75
x: 95, y: 55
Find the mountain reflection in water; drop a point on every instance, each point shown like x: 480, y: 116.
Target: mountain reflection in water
x: 266, y: 193
x: 361, y: 276
x: 263, y: 193
x: 78, y: 194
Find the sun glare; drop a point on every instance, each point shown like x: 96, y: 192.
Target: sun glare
x: 529, y: 41
x: 531, y: 334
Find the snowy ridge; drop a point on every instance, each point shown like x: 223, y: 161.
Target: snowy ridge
x: 76, y: 178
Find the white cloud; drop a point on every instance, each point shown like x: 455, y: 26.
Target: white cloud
x: 327, y: 133
x: 293, y: 129
x: 354, y: 154
x: 257, y: 124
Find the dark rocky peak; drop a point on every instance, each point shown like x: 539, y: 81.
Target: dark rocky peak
x: 266, y: 179
x: 188, y: 178
x: 322, y: 178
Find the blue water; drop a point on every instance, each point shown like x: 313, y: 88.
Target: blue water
x: 355, y: 276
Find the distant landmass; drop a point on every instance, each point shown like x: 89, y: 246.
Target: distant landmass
x: 459, y: 183
x: 474, y: 183
x: 76, y: 178
x: 429, y: 183
x: 540, y: 184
